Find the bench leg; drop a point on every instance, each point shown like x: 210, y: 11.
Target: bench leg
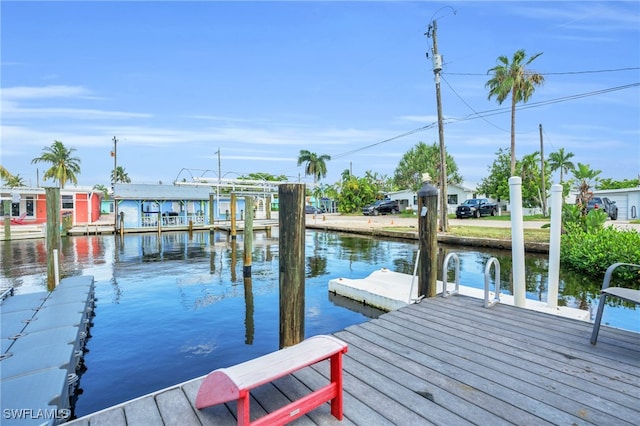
x: 244, y: 416
x: 336, y: 377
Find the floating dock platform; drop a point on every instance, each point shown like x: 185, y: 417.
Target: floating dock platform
x: 42, y: 343
x: 389, y: 291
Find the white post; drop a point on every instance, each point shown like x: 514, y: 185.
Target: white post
x: 56, y: 268
x: 517, y: 241
x: 554, y: 246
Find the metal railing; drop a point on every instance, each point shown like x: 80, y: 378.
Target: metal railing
x: 496, y: 278
x: 445, y: 270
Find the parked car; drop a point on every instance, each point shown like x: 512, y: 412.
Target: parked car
x: 382, y: 207
x: 476, y: 207
x: 605, y: 204
x: 311, y: 210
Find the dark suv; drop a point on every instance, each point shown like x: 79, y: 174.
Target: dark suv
x: 382, y: 207
x: 605, y: 204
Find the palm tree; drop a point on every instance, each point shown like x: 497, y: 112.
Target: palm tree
x: 561, y: 161
x: 515, y: 80
x: 103, y: 189
x: 119, y: 175
x: 64, y: 167
x: 15, y: 181
x: 585, y: 177
x: 4, y: 173
x: 315, y: 165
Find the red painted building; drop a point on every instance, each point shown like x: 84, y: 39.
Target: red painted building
x: 29, y: 205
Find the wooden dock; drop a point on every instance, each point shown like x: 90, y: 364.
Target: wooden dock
x: 445, y: 361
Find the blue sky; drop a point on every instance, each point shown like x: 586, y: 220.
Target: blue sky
x: 176, y: 81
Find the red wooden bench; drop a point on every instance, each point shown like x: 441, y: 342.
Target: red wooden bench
x: 234, y: 383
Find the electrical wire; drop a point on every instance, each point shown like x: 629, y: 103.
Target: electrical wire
x: 489, y: 113
x: 556, y: 73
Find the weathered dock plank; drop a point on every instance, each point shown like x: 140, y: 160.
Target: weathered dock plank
x: 447, y: 361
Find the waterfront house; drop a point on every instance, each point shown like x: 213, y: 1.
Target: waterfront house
x: 81, y: 204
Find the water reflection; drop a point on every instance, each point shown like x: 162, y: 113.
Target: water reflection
x: 172, y: 300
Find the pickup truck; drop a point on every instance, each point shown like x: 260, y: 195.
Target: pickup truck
x: 382, y: 207
x: 476, y: 207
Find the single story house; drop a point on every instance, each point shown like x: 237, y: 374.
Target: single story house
x: 627, y: 200
x: 144, y: 205
x: 456, y: 195
x: 29, y: 205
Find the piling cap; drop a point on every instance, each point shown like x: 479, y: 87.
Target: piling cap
x: 427, y: 189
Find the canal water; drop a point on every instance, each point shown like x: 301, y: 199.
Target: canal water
x: 171, y: 308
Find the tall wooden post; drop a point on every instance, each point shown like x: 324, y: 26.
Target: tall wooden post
x: 428, y: 239
x: 7, y: 219
x: 268, y: 207
x: 211, y: 214
x: 292, y: 263
x: 249, y: 310
x: 53, y: 234
x: 233, y: 217
x: 248, y: 236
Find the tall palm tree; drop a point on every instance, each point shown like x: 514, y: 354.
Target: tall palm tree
x: 561, y: 161
x: 64, y: 167
x: 513, y: 79
x: 315, y: 165
x: 119, y: 175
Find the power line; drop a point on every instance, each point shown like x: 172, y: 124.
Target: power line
x: 489, y: 113
x: 558, y: 73
x: 471, y: 108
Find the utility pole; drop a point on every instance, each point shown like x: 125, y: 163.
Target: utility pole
x: 437, y: 67
x: 219, y: 182
x: 544, y: 190
x: 113, y: 182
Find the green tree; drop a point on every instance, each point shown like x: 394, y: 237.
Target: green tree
x: 496, y: 185
x: 585, y: 177
x: 513, y: 79
x: 10, y: 180
x: 264, y: 176
x: 64, y: 167
x: 15, y: 181
x: 420, y: 159
x: 352, y: 193
x: 120, y: 175
x: 529, y: 169
x: 608, y: 183
x: 560, y: 160
x: 103, y: 189
x: 315, y: 165
x: 4, y: 173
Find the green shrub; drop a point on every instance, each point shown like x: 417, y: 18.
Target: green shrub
x: 592, y: 252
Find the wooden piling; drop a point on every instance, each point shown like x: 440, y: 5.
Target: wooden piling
x: 248, y: 237
x: 7, y: 219
x: 190, y: 229
x: 53, y: 234
x: 249, y: 310
x: 292, y: 263
x: 427, y: 239
x: 211, y: 214
x: 233, y: 217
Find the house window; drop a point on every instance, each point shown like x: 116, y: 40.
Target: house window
x: 452, y: 199
x: 29, y: 205
x: 67, y: 201
x: 15, y: 209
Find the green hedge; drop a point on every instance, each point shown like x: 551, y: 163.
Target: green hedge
x: 592, y: 252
